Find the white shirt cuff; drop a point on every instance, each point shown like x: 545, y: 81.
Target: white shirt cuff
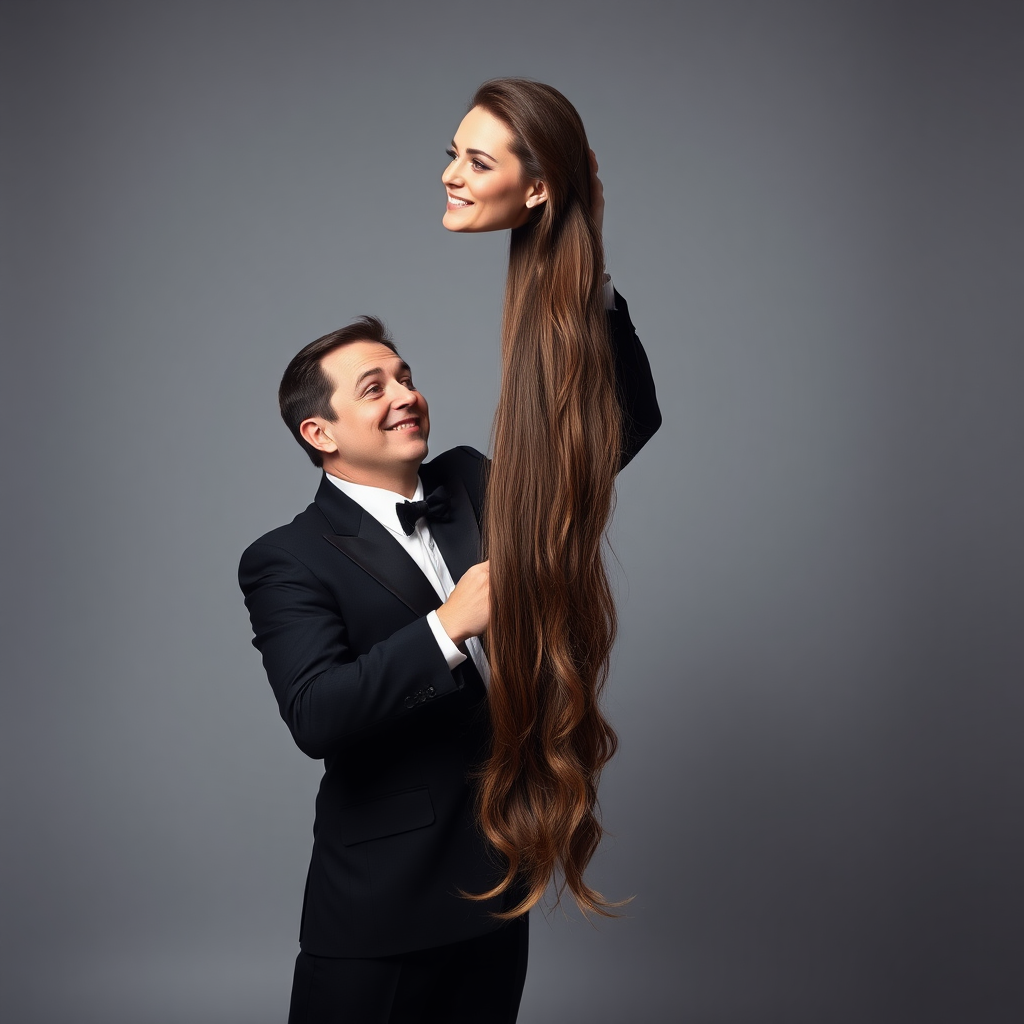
x: 451, y: 653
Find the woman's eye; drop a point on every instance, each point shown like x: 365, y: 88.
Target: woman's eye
x: 477, y: 166
x: 451, y: 153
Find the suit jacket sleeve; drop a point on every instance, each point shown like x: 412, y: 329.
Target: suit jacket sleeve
x: 641, y: 416
x: 328, y: 694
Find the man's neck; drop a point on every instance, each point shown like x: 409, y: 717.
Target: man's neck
x: 404, y: 484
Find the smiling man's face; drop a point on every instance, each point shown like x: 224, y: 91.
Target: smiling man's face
x: 381, y: 423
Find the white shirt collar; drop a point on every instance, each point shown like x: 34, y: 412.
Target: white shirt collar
x: 378, y: 501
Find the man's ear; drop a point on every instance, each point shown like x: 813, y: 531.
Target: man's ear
x: 536, y: 194
x: 316, y: 433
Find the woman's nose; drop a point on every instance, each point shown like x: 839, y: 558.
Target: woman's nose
x: 450, y: 176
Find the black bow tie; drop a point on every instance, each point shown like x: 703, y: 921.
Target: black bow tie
x: 436, y: 507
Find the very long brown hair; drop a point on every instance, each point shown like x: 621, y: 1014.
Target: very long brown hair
x: 550, y: 494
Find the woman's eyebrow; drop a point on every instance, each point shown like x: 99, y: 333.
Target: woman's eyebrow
x: 475, y: 152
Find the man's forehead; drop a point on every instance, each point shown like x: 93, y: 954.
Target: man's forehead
x: 348, y: 363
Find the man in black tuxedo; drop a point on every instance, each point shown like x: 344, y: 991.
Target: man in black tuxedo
x: 367, y: 609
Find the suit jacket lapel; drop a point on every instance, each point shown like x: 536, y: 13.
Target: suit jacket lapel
x: 359, y: 536
x: 458, y: 539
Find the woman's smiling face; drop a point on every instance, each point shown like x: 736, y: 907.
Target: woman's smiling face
x: 485, y: 184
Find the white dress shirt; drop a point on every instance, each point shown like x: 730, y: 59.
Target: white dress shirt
x: 420, y: 546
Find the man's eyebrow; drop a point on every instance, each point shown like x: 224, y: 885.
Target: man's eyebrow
x: 368, y: 373
x: 379, y: 369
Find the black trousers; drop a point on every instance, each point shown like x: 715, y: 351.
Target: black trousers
x: 479, y: 981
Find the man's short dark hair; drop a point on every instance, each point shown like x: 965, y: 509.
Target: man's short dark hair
x: 306, y: 388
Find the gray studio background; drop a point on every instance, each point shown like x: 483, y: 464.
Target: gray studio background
x: 814, y: 210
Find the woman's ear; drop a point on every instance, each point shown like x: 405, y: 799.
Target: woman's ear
x: 536, y: 194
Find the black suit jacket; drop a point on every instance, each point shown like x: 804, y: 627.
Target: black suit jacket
x: 339, y: 614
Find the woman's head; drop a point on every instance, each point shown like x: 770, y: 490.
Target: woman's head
x: 520, y: 160
x: 520, y: 156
